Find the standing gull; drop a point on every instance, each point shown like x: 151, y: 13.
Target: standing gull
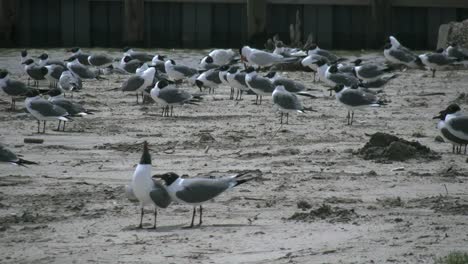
x: 286, y: 102
x: 54, y: 71
x: 314, y: 49
x: 167, y: 95
x: 8, y: 156
x: 137, y: 83
x: 158, y: 63
x: 209, y: 79
x: 222, y: 56
x: 370, y: 72
x: 100, y: 60
x: 260, y: 58
x: 147, y: 190
x: 12, y: 88
x: 258, y: 84
x: 44, y: 110
x: 453, y: 125
x: 454, y: 50
x: 179, y: 72
x: 196, y: 191
x: 74, y: 109
x: 69, y: 82
x: 35, y: 71
x: 396, y: 53
x: 436, y: 61
x: 355, y: 99
x: 236, y: 79
x: 80, y: 70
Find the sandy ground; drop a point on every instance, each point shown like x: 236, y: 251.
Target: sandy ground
x: 72, y: 207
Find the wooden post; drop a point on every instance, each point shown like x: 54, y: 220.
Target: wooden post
x: 256, y: 22
x: 379, y: 23
x: 8, y: 18
x: 134, y: 22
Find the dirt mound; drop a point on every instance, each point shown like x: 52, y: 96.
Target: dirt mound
x: 385, y: 147
x: 331, y: 214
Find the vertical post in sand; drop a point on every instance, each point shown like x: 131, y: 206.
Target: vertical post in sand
x: 256, y: 21
x: 134, y: 22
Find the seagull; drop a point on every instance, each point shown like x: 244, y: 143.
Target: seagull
x: 284, y: 51
x: 334, y: 77
x: 355, y: 99
x: 314, y: 49
x: 12, y: 88
x: 74, y: 109
x: 24, y: 56
x: 207, y: 63
x: 158, y: 63
x: 436, y: 61
x: 167, y: 95
x: 137, y: 83
x: 380, y: 82
x: 209, y: 79
x: 82, y: 57
x: 79, y: 70
x: 369, y: 72
x: 100, y: 60
x: 69, y: 82
x: 455, y: 51
x: 147, y: 190
x: 223, y: 71
x: 258, y: 84
x: 396, y: 53
x: 139, y: 55
x: 290, y: 85
x: 286, y: 102
x: 260, y: 58
x: 130, y: 65
x: 453, y: 125
x: 196, y: 191
x: 222, y: 56
x: 54, y: 71
x: 44, y: 60
x: 236, y: 79
x: 141, y: 69
x: 8, y: 156
x: 179, y: 72
x: 312, y: 60
x: 35, y: 71
x: 44, y: 110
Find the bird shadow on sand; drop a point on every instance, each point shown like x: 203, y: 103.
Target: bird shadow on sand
x: 171, y: 228
x: 150, y: 228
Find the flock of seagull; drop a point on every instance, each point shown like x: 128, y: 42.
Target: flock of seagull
x: 160, y: 78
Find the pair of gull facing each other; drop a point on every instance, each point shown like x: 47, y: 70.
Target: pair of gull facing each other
x: 147, y: 190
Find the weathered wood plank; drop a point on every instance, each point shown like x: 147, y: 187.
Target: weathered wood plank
x: 189, y: 25
x: 24, y: 23
x: 53, y: 23
x: 115, y: 19
x: 359, y: 19
x: 67, y: 18
x: 38, y: 24
x: 235, y: 26
x: 430, y: 3
x: 203, y: 25
x: 174, y: 28
x: 8, y: 22
x: 310, y: 21
x: 256, y: 21
x: 341, y: 27
x: 134, y: 22
x: 82, y: 21
x: 433, y: 23
x: 448, y: 15
x: 419, y: 28
x: 324, y: 26
x: 99, y: 26
x: 220, y: 26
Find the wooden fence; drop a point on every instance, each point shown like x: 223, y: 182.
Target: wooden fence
x: 337, y: 24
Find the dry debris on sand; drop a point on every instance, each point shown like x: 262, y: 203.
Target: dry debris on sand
x: 383, y: 147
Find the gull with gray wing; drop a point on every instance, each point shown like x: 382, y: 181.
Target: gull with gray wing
x: 196, y: 191
x: 8, y: 156
x: 146, y: 190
